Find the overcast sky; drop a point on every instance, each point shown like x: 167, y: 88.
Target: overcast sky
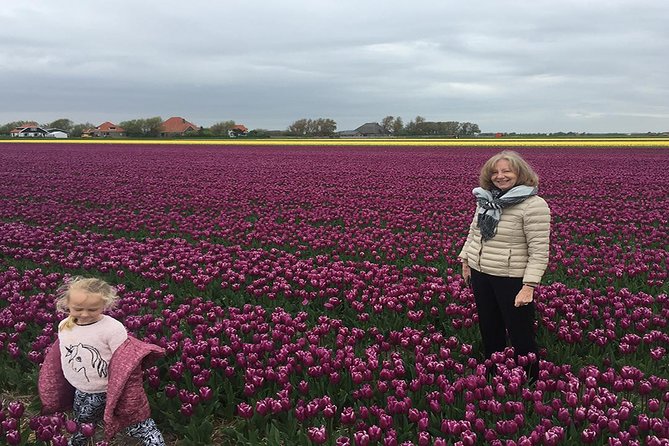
x: 512, y: 66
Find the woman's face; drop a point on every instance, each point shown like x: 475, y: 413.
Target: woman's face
x: 503, y: 177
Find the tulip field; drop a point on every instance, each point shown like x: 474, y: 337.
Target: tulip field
x: 311, y: 294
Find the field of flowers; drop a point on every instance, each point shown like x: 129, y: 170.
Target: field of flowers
x: 311, y: 294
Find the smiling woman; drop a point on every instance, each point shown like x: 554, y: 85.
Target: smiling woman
x: 506, y: 254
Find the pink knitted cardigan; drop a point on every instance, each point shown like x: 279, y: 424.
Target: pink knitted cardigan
x: 127, y: 403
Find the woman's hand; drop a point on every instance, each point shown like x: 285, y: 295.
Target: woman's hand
x: 466, y: 274
x: 525, y: 296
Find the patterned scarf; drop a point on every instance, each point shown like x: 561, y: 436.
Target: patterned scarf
x: 492, y: 202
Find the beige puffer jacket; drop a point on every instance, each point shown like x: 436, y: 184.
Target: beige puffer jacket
x: 520, y: 246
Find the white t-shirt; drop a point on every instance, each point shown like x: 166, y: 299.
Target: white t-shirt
x: 85, y: 352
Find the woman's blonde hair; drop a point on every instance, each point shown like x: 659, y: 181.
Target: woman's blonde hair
x: 526, y: 176
x: 90, y: 285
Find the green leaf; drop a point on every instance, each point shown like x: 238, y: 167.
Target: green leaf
x: 274, y: 436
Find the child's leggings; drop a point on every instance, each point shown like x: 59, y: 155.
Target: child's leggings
x: 90, y: 408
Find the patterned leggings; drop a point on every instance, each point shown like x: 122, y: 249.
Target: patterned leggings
x: 90, y: 407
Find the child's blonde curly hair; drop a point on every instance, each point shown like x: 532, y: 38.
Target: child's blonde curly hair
x: 90, y: 285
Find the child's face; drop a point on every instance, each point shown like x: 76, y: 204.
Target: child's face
x: 86, y: 308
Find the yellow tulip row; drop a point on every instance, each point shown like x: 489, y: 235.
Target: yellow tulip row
x: 423, y: 142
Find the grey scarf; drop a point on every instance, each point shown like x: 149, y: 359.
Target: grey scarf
x: 491, y: 203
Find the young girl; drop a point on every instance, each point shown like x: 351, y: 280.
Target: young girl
x: 102, y: 365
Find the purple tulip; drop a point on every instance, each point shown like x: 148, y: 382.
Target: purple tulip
x: 343, y: 441
x: 653, y: 405
x: 317, y: 435
x: 59, y: 440
x: 423, y: 438
x: 186, y: 409
x: 13, y: 437
x: 87, y: 429
x: 10, y: 424
x: 171, y: 390
x: 588, y: 436
x: 374, y: 432
x: 46, y: 433
x: 390, y: 440
x: 361, y: 438
x: 348, y: 416
x: 206, y: 393
x: 15, y: 409
x: 71, y: 426
x: 244, y: 410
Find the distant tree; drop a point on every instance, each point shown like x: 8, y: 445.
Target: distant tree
x: 204, y: 133
x: 221, y: 128
x: 397, y: 126
x: 259, y: 133
x: 299, y: 127
x: 387, y: 123
x: 143, y: 127
x: 468, y: 129
x: 448, y: 128
x: 132, y: 128
x: 421, y: 127
x: 312, y: 127
x: 453, y: 128
x: 77, y: 129
x: 324, y: 127
x: 414, y: 127
x: 61, y: 124
x: 152, y: 126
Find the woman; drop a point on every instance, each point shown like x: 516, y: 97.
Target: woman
x: 506, y: 253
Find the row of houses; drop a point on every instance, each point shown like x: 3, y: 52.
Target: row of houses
x: 175, y: 126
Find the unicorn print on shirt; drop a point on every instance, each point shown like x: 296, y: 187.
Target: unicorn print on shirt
x: 86, y: 359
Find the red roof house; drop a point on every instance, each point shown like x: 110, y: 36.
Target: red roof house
x: 238, y: 130
x: 106, y: 130
x: 177, y: 126
x: 109, y: 129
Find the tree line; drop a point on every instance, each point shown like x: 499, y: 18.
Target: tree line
x: 306, y: 127
x: 134, y: 128
x: 421, y: 127
x: 393, y: 126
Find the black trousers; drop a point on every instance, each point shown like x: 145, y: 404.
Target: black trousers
x: 498, y: 317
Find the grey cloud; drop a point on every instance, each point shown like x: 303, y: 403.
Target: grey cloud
x: 509, y: 66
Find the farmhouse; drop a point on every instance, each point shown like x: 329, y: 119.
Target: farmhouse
x: 177, y: 126
x: 34, y: 130
x: 238, y: 130
x: 370, y: 129
x: 29, y: 130
x: 104, y: 130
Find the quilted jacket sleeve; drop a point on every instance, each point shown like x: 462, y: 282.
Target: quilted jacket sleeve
x: 465, y: 248
x: 127, y: 403
x: 537, y: 227
x: 55, y: 392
